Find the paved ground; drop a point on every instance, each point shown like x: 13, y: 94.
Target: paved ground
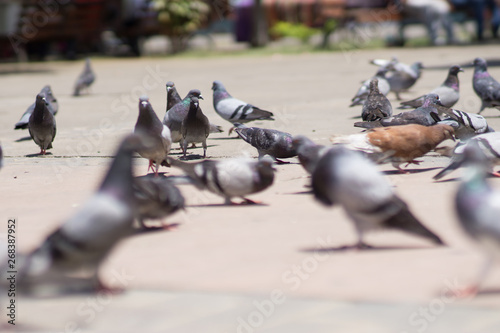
x: 269, y: 268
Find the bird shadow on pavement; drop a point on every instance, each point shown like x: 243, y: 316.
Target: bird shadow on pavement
x: 363, y: 249
x: 300, y: 193
x: 491, y: 291
x: 38, y: 155
x: 149, y: 229
x: 450, y: 180
x: 25, y: 138
x: 242, y: 204
x: 408, y: 171
x: 227, y: 138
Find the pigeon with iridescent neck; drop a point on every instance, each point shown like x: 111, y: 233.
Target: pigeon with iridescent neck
x: 485, y: 86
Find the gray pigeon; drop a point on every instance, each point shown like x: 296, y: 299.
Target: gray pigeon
x: 308, y: 152
x: 466, y: 125
x: 346, y: 178
x: 488, y: 143
x: 52, y: 105
x: 195, y: 127
x: 229, y: 178
x: 174, y: 117
x: 402, y: 77
x: 159, y: 140
x: 448, y: 92
x: 270, y: 142
x: 426, y: 115
x: 485, y: 86
x: 376, y: 105
x: 156, y: 198
x: 172, y: 95
x: 383, y: 87
x: 42, y: 125
x: 82, y: 242
x: 476, y: 204
x: 85, y: 80
x: 235, y: 110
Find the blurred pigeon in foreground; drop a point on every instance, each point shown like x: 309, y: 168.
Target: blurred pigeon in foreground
x: 426, y: 115
x: 234, y: 177
x: 51, y: 102
x: 83, y: 241
x: 270, y: 142
x: 488, y: 143
x: 85, y: 80
x: 383, y: 87
x: 159, y: 141
x: 156, y: 198
x: 308, y: 152
x: 466, y: 124
x: 42, y: 125
x: 346, y: 178
x: 476, y: 204
x: 485, y: 86
x: 174, y: 117
x: 397, y: 144
x: 235, y: 110
x: 195, y: 127
x: 448, y: 91
x: 376, y: 105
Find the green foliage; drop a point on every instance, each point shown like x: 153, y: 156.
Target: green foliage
x: 296, y: 30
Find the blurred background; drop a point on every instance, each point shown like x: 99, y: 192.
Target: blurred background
x: 68, y: 29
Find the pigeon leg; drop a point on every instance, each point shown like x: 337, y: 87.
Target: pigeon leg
x: 473, y: 289
x: 204, y: 148
x: 156, y: 169
x: 184, y: 148
x: 230, y: 131
x: 496, y: 173
x: 281, y: 161
x: 193, y: 145
x: 227, y: 201
x: 150, y: 166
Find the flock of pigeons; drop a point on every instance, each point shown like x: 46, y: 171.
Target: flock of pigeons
x: 343, y: 173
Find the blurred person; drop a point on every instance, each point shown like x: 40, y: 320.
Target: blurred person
x: 478, y: 8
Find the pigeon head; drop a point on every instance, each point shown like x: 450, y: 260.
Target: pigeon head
x: 454, y: 70
x: 195, y: 103
x: 301, y: 141
x: 40, y: 98
x: 194, y: 93
x: 143, y: 102
x: 480, y: 65
x: 432, y: 99
x: 169, y: 85
x: 374, y: 85
x: 217, y: 85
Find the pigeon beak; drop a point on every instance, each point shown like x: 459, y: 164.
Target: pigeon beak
x: 200, y: 97
x: 438, y: 102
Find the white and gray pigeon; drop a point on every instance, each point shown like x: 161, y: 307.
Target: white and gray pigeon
x: 477, y: 207
x: 174, y: 117
x: 274, y: 143
x: 85, y: 79
x: 466, y: 125
x: 426, y: 115
x: 485, y: 86
x: 308, y: 152
x: 235, y: 110
x: 362, y: 93
x: 52, y: 105
x: 159, y: 140
x: 42, y: 125
x: 346, y: 178
x: 488, y: 143
x: 376, y: 105
x: 448, y: 91
x: 401, y: 76
x: 83, y: 241
x: 195, y: 127
x: 156, y: 198
x: 230, y: 178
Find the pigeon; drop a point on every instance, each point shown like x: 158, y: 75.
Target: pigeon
x: 448, y: 92
x: 235, y: 110
x: 229, y: 178
x: 383, y: 87
x: 42, y: 125
x: 83, y: 241
x: 347, y: 178
x: 174, y: 117
x: 52, y: 105
x: 195, y: 127
x: 173, y: 96
x: 466, y: 124
x: 376, y: 105
x: 427, y: 115
x: 397, y: 144
x: 308, y: 152
x: 149, y: 125
x: 156, y: 198
x: 485, y: 86
x: 402, y: 77
x: 270, y: 142
x: 477, y: 208
x: 488, y: 143
x: 85, y: 80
